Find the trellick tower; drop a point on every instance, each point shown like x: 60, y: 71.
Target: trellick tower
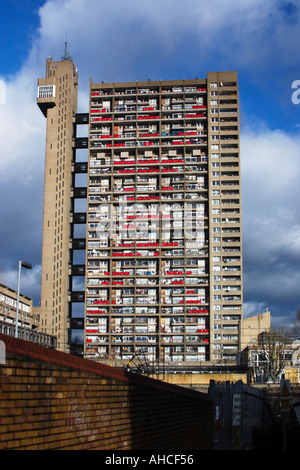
x: 165, y: 281
x: 57, y: 99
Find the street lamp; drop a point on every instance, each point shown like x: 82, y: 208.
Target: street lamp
x: 22, y: 264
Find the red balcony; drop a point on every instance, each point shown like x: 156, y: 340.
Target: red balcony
x: 174, y: 272
x: 195, y: 115
x: 123, y: 254
x: 126, y: 171
x: 147, y: 198
x: 98, y: 110
x: 148, y: 161
x: 148, y: 135
x: 120, y: 273
x: 147, y: 244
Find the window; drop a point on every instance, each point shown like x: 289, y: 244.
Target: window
x: 46, y: 91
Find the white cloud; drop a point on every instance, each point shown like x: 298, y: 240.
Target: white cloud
x: 21, y: 129
x: 135, y: 37
x: 271, y: 219
x: 29, y: 282
x: 270, y: 189
x: 22, y: 155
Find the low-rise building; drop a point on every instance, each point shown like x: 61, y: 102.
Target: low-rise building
x: 257, y: 350
x: 8, y: 308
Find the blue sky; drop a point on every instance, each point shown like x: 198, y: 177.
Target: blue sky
x: 19, y: 24
x: 163, y: 39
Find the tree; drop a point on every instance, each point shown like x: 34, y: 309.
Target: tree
x: 273, y: 353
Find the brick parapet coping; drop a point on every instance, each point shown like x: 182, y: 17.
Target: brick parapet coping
x: 16, y: 346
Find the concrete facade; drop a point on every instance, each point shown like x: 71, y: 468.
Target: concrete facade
x: 57, y: 99
x: 8, y: 308
x: 251, y: 327
x: 163, y: 242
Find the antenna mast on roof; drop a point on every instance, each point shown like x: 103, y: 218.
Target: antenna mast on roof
x: 66, y: 55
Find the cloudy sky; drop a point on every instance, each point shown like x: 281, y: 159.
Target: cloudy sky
x: 163, y: 39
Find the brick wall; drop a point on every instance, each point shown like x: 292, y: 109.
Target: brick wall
x: 52, y: 400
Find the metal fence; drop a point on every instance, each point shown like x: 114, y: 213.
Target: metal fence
x: 27, y: 334
x: 240, y: 412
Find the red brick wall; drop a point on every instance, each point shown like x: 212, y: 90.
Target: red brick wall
x: 52, y: 400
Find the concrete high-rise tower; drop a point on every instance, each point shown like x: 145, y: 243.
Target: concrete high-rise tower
x: 57, y: 99
x: 164, y: 238
x: 162, y: 243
